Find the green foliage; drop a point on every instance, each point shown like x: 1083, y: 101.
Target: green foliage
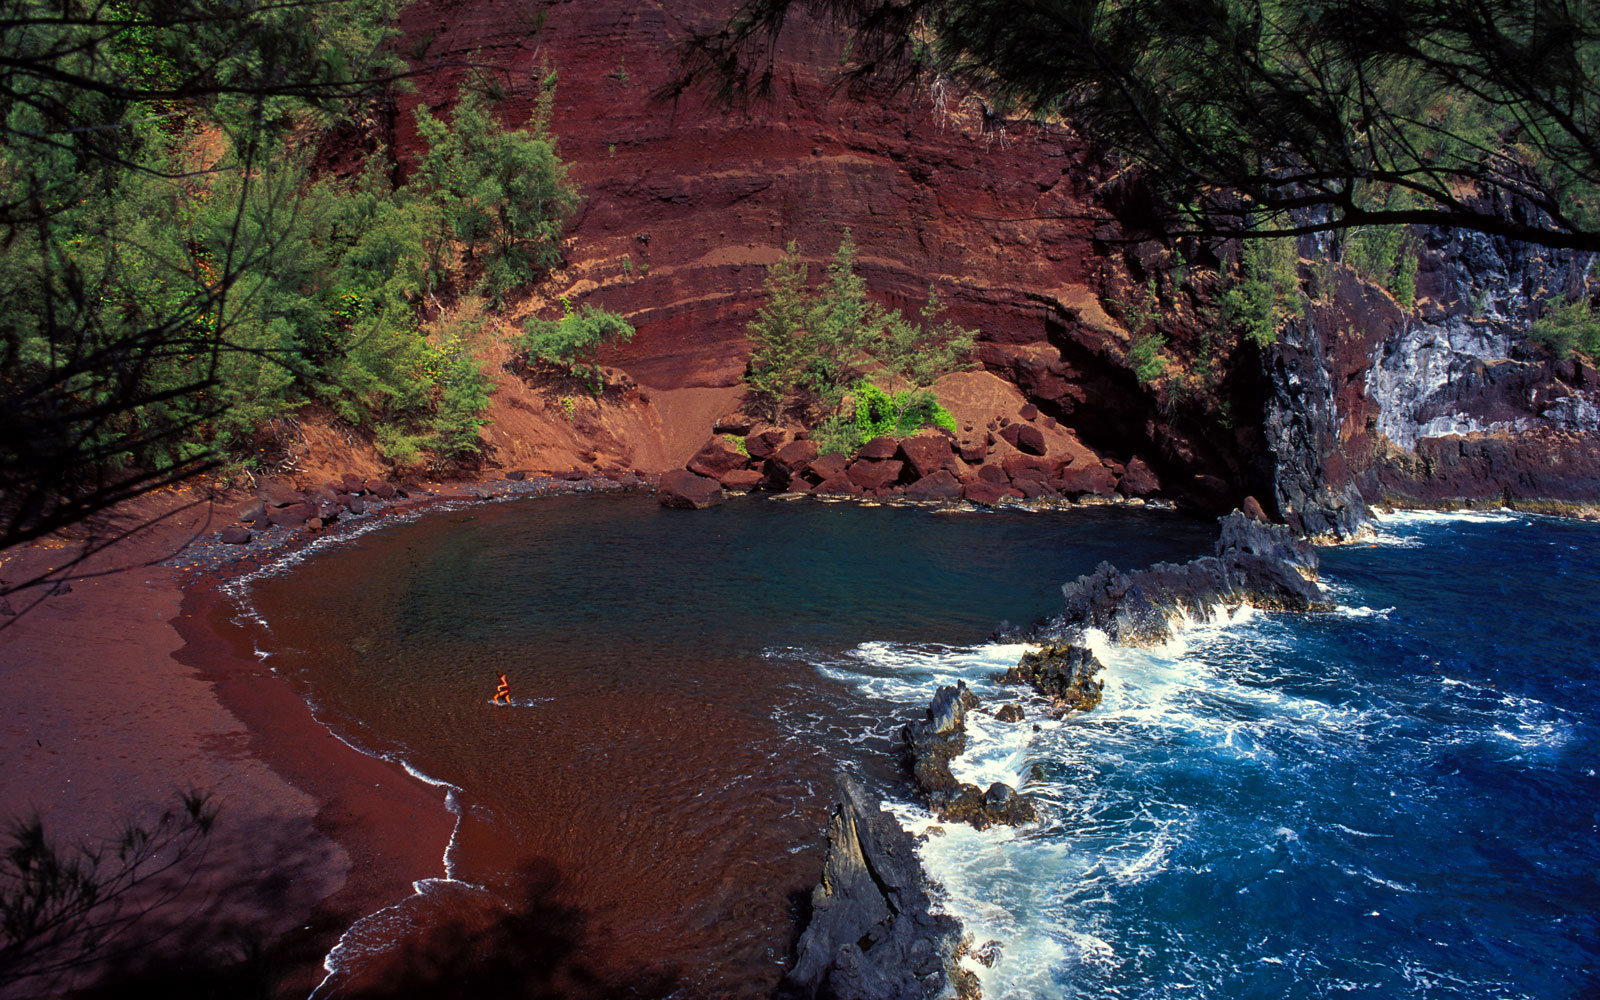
x: 877, y: 413
x: 1142, y: 314
x: 1386, y: 255
x: 1568, y: 328
x: 737, y: 440
x: 818, y: 342
x: 571, y: 341
x: 503, y: 194
x: 1267, y: 291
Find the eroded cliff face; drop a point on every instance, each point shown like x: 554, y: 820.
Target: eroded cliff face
x: 1015, y: 224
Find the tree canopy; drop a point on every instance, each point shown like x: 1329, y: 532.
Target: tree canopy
x: 1258, y: 117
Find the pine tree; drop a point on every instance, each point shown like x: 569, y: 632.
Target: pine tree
x: 777, y: 334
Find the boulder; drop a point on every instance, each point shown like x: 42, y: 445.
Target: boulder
x: 973, y: 449
x: 987, y: 493
x: 1064, y: 673
x: 235, y: 534
x: 256, y: 511
x: 358, y: 505
x: 1032, y: 489
x: 292, y: 516
x: 1025, y: 438
x: 275, y: 495
x: 926, y: 454
x: 313, y: 525
x: 1096, y: 479
x: 741, y: 479
x: 767, y: 443
x: 1137, y: 480
x: 734, y: 423
x: 328, y: 511
x: 1251, y: 508
x: 872, y: 934
x: 828, y: 466
x: 717, y: 457
x: 516, y: 476
x: 683, y: 489
x: 796, y: 456
x: 1009, y: 713
x: 938, y: 738
x: 871, y: 475
x: 1020, y: 466
x: 838, y: 484
x: 352, y: 483
x: 383, y: 489
x: 941, y: 485
x: 879, y: 448
x: 1028, y: 412
x: 994, y: 474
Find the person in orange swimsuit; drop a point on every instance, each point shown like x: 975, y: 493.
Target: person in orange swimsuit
x: 502, y: 695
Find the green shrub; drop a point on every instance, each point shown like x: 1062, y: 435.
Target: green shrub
x: 1267, y: 291
x: 1568, y: 328
x: 571, y: 341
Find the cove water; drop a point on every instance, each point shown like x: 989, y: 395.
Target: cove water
x: 1395, y: 800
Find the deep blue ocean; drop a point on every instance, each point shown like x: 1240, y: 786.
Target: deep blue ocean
x: 1397, y: 799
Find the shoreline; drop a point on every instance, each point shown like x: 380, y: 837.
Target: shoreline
x: 358, y: 830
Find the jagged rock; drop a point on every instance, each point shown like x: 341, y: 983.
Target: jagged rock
x: 1142, y: 607
x: 873, y: 475
x: 938, y: 738
x: 716, y: 458
x: 871, y: 935
x: 940, y: 485
x: 1064, y: 673
x: 235, y: 534
x: 1242, y: 534
x: 253, y: 512
x: 1009, y: 713
x: 683, y: 489
x: 879, y: 448
x: 927, y: 454
x: 1137, y: 480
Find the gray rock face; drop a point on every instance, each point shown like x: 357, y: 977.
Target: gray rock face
x: 871, y: 934
x: 938, y: 738
x: 1063, y: 673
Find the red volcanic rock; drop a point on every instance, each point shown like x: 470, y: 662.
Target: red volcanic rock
x: 828, y: 466
x: 994, y: 474
x: 383, y: 490
x: 1028, y: 411
x: 328, y: 511
x: 796, y: 455
x: 941, y: 485
x: 840, y: 483
x: 741, y: 479
x: 274, y: 495
x: 987, y: 493
x: 973, y: 449
x: 253, y: 511
x: 291, y: 516
x: 1024, y: 437
x: 879, y: 448
x: 767, y: 443
x: 353, y: 483
x: 1096, y: 479
x: 734, y: 423
x: 1033, y: 489
x: 1020, y: 466
x: 1138, y: 480
x: 358, y: 505
x: 874, y: 475
x: 313, y: 525
x: 235, y: 534
x: 717, y: 457
x: 683, y: 489
x: 927, y: 454
x: 1252, y: 509
x: 516, y: 476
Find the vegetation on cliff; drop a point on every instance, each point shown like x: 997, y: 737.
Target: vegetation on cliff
x: 832, y: 346
x: 179, y: 283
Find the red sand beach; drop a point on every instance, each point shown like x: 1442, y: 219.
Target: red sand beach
x: 124, y: 692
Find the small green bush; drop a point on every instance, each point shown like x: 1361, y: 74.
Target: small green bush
x: 571, y: 341
x: 1568, y: 328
